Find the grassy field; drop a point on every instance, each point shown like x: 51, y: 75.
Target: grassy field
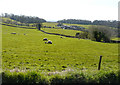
x: 61, y: 31
x: 26, y: 51
x: 8, y: 19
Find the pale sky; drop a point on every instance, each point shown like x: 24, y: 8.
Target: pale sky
x: 53, y: 10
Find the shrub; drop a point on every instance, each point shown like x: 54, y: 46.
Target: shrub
x: 38, y: 25
x: 83, y: 35
x: 100, y: 33
x: 71, y: 78
x: 77, y: 35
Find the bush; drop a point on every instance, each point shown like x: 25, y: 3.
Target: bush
x: 100, y: 33
x: 39, y: 25
x: 77, y: 35
x: 82, y: 35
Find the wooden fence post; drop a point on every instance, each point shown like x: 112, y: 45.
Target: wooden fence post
x: 99, y: 62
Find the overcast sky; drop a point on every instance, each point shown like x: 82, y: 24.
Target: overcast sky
x: 53, y: 10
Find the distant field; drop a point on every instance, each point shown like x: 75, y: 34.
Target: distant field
x: 61, y: 31
x: 51, y: 24
x: 85, y: 26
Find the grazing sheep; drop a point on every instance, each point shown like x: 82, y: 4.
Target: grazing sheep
x: 49, y: 42
x: 13, y: 33
x: 45, y: 39
x: 24, y: 34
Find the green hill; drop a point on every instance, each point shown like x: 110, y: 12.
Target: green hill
x: 25, y: 53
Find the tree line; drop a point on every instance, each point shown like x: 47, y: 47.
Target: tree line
x: 109, y: 23
x: 23, y: 18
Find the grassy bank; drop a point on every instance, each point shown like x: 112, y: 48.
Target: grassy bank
x: 61, y: 78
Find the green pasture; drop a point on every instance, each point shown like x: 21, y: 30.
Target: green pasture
x: 85, y: 26
x: 27, y: 50
x: 6, y: 19
x: 51, y: 24
x: 61, y: 31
